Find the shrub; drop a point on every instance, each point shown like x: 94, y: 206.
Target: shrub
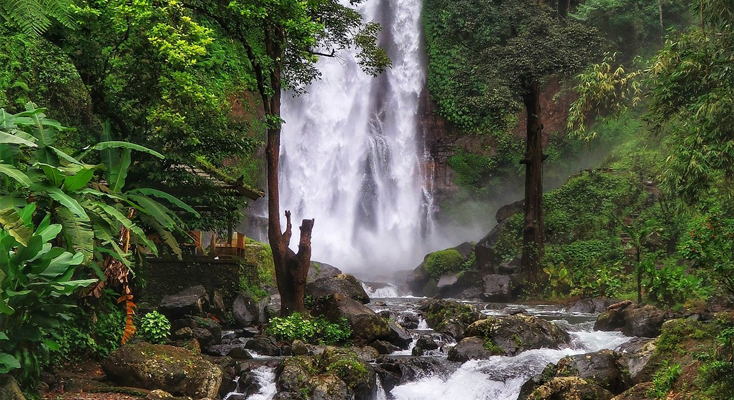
x: 664, y: 379
x: 316, y: 330
x: 35, y: 292
x: 444, y: 261
x: 155, y: 328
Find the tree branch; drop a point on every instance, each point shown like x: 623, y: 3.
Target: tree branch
x: 288, y: 231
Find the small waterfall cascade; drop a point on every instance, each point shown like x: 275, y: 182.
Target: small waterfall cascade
x: 353, y: 156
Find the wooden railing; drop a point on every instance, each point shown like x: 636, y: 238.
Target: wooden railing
x: 234, y: 245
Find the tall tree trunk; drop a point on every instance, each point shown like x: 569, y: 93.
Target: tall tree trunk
x: 533, y: 244
x: 290, y: 268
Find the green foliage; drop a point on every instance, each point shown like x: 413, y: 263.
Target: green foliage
x: 671, y: 283
x: 664, y: 379
x: 35, y: 16
x: 90, y: 334
x: 559, y: 280
x: 36, y: 284
x: 709, y: 245
x: 317, y: 331
x: 349, y: 369
x: 692, y: 96
x: 633, y: 26
x: 92, y: 210
x: 471, y: 168
x: 443, y: 262
x: 154, y: 328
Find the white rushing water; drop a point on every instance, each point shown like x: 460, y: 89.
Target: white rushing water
x: 352, y: 153
x: 500, y: 378
x: 266, y: 379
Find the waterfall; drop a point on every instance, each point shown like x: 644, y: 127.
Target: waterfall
x: 353, y: 156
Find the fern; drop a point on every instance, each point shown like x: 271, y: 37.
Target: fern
x: 35, y: 16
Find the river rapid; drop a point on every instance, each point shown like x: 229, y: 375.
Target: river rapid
x: 498, y: 378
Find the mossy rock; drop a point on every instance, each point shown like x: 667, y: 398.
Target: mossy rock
x: 443, y: 262
x: 569, y: 388
x: 517, y: 333
x: 447, y: 316
x: 172, y: 369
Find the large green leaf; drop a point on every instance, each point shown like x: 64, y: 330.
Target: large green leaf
x: 78, y: 233
x: 55, y: 175
x: 118, y: 173
x: 155, y: 209
x: 6, y: 138
x: 130, y: 225
x: 8, y: 363
x: 166, y: 196
x: 63, y: 198
x: 78, y: 180
x: 13, y: 224
x: 15, y: 174
x: 125, y: 145
x: 61, y: 264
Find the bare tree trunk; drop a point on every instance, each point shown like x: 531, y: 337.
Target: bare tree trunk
x: 290, y: 268
x: 533, y: 243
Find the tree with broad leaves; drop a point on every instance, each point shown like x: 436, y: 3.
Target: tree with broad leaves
x: 283, y: 40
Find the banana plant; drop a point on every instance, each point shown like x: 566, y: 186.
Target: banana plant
x: 89, y: 200
x: 36, y: 281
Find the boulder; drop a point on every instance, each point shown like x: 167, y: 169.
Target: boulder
x: 383, y: 347
x: 421, y: 284
x: 590, y: 306
x: 603, y: 368
x: 327, y: 387
x: 496, y: 288
x: 516, y: 333
x: 638, y: 392
x: 644, y: 321
x: 635, y: 356
x: 508, y: 210
x: 447, y: 316
x: 426, y: 342
x: 192, y: 301
x: 9, y: 388
x: 512, y: 267
x: 472, y: 348
x: 366, y: 325
x: 398, y: 335
x: 344, y: 284
x: 248, y: 311
x: 264, y: 345
x: 488, y: 258
x: 631, y: 319
x: 568, y: 388
x: 172, y: 369
x: 302, y: 374
x: 321, y: 270
x: 401, y: 370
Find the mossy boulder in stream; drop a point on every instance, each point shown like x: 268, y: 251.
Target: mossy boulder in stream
x: 516, y: 333
x: 447, y: 316
x: 172, y: 369
x: 367, y: 326
x: 569, y: 388
x: 424, y: 280
x: 335, y: 374
x: 345, y: 284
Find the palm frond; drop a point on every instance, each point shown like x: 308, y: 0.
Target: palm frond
x: 35, y: 16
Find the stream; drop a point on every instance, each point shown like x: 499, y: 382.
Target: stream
x: 498, y: 378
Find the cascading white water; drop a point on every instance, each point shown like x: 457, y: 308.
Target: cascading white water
x: 352, y: 154
x: 499, y: 377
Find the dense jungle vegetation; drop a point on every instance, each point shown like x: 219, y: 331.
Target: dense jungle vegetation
x: 116, y: 114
